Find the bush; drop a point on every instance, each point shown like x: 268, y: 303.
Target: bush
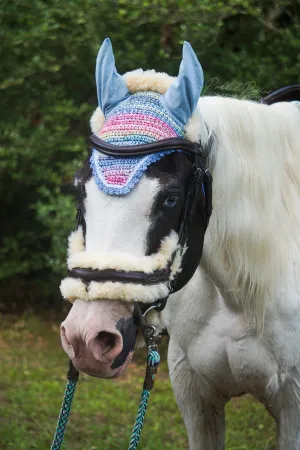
x: 48, y: 94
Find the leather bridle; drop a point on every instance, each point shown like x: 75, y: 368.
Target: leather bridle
x: 200, y: 183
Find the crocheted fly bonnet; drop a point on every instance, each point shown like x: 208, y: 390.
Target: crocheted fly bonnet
x: 126, y: 118
x: 139, y: 118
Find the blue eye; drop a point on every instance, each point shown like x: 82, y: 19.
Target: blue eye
x: 170, y: 201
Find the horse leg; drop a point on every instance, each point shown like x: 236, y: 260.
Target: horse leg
x: 204, y: 420
x: 288, y: 429
x: 284, y: 406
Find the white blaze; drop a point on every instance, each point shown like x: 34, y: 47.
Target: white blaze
x: 119, y: 223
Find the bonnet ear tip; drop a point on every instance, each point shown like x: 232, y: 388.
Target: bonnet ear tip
x: 105, y: 48
x: 186, y: 44
x: 107, y: 42
x: 187, y: 48
x: 188, y: 51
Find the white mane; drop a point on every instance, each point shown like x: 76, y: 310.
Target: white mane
x: 255, y: 161
x: 256, y: 191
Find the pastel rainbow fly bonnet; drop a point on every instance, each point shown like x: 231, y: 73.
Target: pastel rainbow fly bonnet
x: 125, y: 119
x: 139, y: 118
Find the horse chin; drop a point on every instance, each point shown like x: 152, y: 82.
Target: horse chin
x: 120, y: 370
x: 107, y: 372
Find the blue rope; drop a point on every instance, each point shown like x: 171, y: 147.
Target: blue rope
x: 64, y: 415
x: 139, y: 421
x: 152, y: 363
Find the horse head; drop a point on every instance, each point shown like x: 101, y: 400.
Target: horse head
x: 143, y: 212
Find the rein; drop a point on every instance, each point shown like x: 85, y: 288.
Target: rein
x: 200, y: 183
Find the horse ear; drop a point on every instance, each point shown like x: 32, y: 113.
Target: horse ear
x: 111, y: 88
x: 182, y: 96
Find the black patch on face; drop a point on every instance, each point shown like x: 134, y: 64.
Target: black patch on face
x: 127, y: 328
x: 174, y: 173
x: 82, y: 176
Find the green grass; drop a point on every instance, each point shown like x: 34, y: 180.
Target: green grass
x: 32, y: 381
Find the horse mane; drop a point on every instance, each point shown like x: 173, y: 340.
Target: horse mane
x: 254, y: 155
x: 255, y: 226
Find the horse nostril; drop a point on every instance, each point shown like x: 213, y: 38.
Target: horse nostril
x: 65, y: 343
x: 63, y: 335
x: 106, y: 340
x: 106, y: 346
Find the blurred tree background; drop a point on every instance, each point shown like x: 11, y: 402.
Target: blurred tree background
x: 47, y: 90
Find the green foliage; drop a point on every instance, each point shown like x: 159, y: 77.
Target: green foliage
x: 48, y: 51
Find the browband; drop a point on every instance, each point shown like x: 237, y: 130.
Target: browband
x: 145, y: 149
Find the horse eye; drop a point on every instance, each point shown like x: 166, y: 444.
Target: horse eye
x: 171, y: 201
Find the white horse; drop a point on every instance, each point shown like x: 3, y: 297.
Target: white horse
x: 235, y: 326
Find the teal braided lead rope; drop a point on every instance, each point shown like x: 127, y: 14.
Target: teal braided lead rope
x: 152, y: 363
x: 65, y: 408
x: 153, y: 358
x: 64, y: 415
x: 139, y: 421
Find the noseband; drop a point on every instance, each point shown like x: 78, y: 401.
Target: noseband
x: 200, y: 183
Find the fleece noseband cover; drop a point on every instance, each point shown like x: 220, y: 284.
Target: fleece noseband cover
x: 119, y: 276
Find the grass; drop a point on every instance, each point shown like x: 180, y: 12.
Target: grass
x: 33, y: 368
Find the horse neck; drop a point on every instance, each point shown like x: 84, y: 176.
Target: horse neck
x: 254, y: 161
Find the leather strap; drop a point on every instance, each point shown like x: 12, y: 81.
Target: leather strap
x: 286, y: 94
x: 88, y: 275
x: 144, y: 149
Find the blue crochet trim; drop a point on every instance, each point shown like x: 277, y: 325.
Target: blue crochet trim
x: 123, y: 190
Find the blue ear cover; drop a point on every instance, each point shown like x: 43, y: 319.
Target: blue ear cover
x: 182, y: 96
x: 111, y: 88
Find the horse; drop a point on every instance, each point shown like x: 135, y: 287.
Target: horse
x: 232, y: 287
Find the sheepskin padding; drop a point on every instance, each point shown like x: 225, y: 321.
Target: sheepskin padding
x: 97, y: 120
x: 76, y: 242
x: 73, y: 289
x: 118, y: 260
x: 149, y: 80
x: 176, y: 265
